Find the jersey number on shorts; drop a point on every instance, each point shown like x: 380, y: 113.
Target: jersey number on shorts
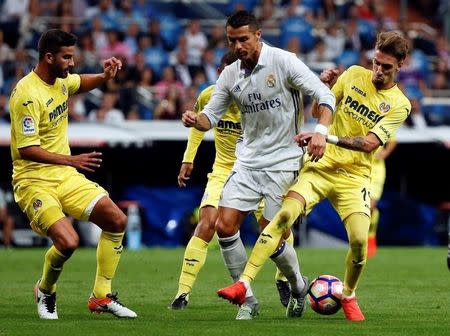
x: 365, y: 193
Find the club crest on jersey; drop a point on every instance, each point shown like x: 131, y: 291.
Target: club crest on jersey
x: 384, y: 107
x: 28, y: 125
x: 64, y: 90
x: 37, y: 204
x: 270, y: 81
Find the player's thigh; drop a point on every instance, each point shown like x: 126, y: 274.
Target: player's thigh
x: 213, y: 189
x: 313, y: 184
x: 39, y: 201
x: 108, y: 216
x: 275, y: 185
x: 351, y: 195
x: 79, y: 195
x: 241, y: 191
x: 229, y: 221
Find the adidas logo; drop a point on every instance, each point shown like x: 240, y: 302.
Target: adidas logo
x: 237, y: 88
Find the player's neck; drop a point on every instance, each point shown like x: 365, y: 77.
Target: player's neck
x: 44, y: 74
x: 386, y: 86
x: 389, y: 86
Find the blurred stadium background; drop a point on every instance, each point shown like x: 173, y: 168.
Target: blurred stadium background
x: 170, y: 51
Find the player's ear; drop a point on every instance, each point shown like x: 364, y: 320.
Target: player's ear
x: 258, y: 34
x: 400, y: 64
x: 50, y: 58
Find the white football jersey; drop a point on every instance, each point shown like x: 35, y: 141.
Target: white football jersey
x: 271, y: 104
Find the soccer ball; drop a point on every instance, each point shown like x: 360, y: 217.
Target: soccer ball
x: 324, y: 294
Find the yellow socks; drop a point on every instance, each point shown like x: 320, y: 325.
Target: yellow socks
x: 270, y: 237
x: 278, y: 274
x: 375, y: 216
x: 357, y: 226
x: 53, y: 264
x: 194, y: 259
x: 109, y: 250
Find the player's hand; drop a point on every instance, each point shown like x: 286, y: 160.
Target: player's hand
x: 329, y: 76
x: 87, y: 161
x: 303, y: 138
x: 185, y: 173
x: 316, y: 143
x: 111, y: 66
x: 316, y: 146
x: 189, y: 118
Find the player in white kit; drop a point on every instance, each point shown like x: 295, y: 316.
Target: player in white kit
x: 267, y: 84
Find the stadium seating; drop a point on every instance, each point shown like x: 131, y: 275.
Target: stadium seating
x: 297, y: 26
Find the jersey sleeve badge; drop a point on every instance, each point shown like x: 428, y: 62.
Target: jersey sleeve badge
x: 28, y: 126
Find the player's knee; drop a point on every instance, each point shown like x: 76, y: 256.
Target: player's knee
x: 284, y: 219
x: 357, y: 243
x: 67, y: 245
x: 224, y: 230
x: 119, y: 221
x: 205, y: 230
x: 358, y: 248
x: 208, y: 221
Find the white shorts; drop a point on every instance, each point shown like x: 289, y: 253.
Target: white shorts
x: 245, y: 188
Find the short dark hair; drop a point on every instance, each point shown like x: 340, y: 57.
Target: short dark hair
x: 392, y: 43
x: 228, y: 58
x: 53, y: 39
x: 243, y: 18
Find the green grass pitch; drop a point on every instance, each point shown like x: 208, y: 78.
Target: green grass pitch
x: 404, y: 291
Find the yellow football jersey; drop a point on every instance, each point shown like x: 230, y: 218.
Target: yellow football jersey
x: 226, y: 133
x: 39, y: 116
x: 361, y: 109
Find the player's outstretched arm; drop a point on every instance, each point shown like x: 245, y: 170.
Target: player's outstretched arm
x: 110, y: 68
x: 366, y: 144
x: 362, y: 143
x: 87, y: 161
x: 185, y: 173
